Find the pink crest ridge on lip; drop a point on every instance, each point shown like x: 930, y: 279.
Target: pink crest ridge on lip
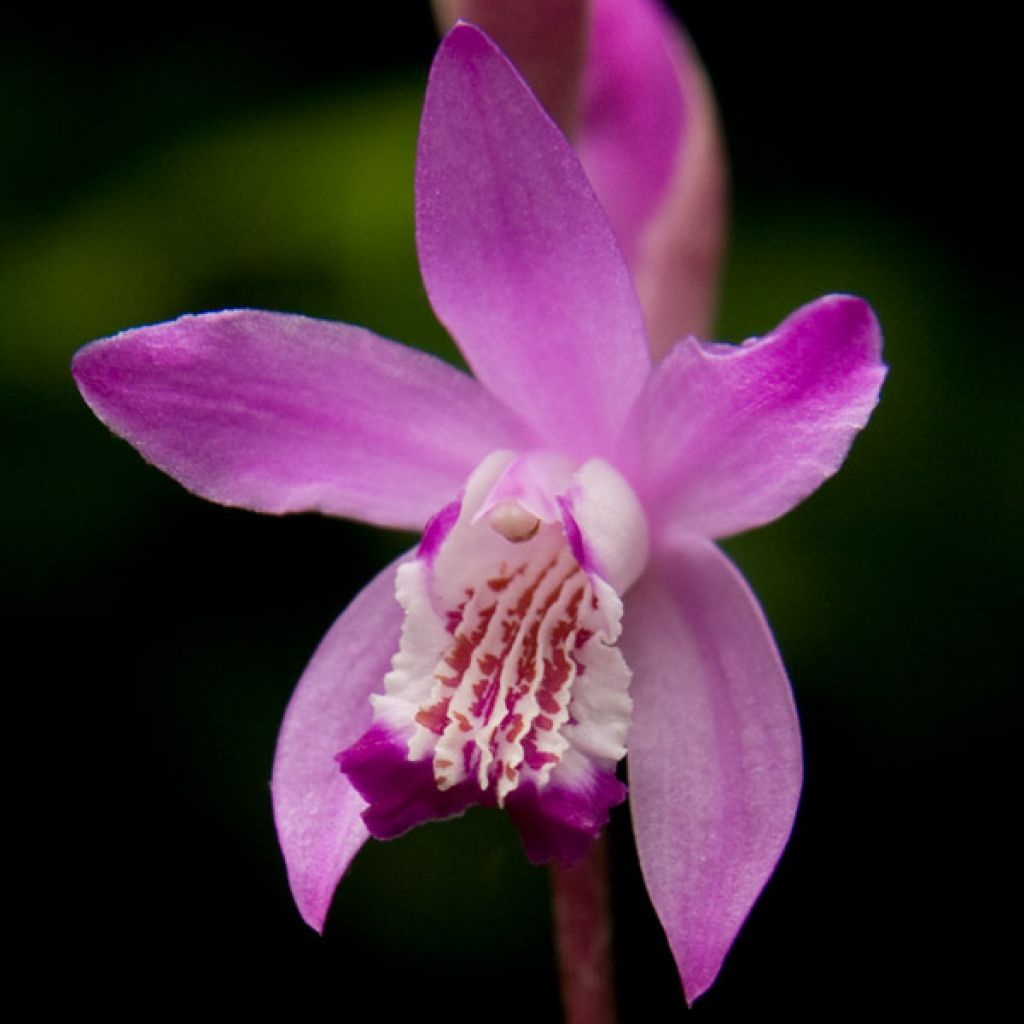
x: 630, y: 472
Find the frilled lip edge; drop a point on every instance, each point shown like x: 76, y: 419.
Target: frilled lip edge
x: 556, y: 822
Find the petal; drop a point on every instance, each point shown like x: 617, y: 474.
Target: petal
x: 532, y: 481
x: 318, y: 813
x: 630, y: 93
x: 634, y: 113
x: 679, y: 235
x: 650, y: 145
x: 612, y: 526
x: 560, y: 822
x: 729, y: 437
x: 545, y: 39
x: 401, y: 793
x: 281, y: 413
x: 517, y: 256
x: 714, y: 759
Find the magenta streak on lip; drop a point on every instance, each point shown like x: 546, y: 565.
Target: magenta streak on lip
x: 402, y: 794
x: 437, y: 529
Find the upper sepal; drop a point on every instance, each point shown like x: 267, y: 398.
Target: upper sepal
x: 545, y: 39
x: 627, y: 88
x: 517, y: 256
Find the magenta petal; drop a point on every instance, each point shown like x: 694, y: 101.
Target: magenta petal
x: 517, y: 256
x: 401, y: 794
x: 650, y: 145
x: 281, y: 413
x: 633, y: 114
x: 730, y: 437
x: 679, y: 250
x: 318, y: 813
x: 714, y: 751
x: 560, y: 822
x: 545, y: 39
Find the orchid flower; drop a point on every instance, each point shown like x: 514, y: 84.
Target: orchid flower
x: 625, y: 85
x: 567, y: 601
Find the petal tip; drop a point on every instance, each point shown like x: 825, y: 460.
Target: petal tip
x: 712, y: 706
x: 311, y: 881
x: 79, y: 368
x: 92, y: 368
x: 856, y: 318
x: 315, y: 915
x: 312, y: 900
x: 693, y: 992
x: 464, y: 36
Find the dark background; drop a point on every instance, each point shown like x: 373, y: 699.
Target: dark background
x: 152, y: 640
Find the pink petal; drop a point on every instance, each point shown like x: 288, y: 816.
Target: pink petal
x: 630, y: 93
x: 634, y: 113
x: 730, y: 437
x: 318, y: 813
x: 714, y: 758
x: 560, y: 822
x: 399, y: 794
x: 675, y: 237
x: 517, y: 255
x: 545, y: 39
x: 280, y: 413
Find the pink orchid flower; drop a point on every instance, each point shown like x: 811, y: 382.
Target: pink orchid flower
x: 626, y: 86
x: 567, y: 601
